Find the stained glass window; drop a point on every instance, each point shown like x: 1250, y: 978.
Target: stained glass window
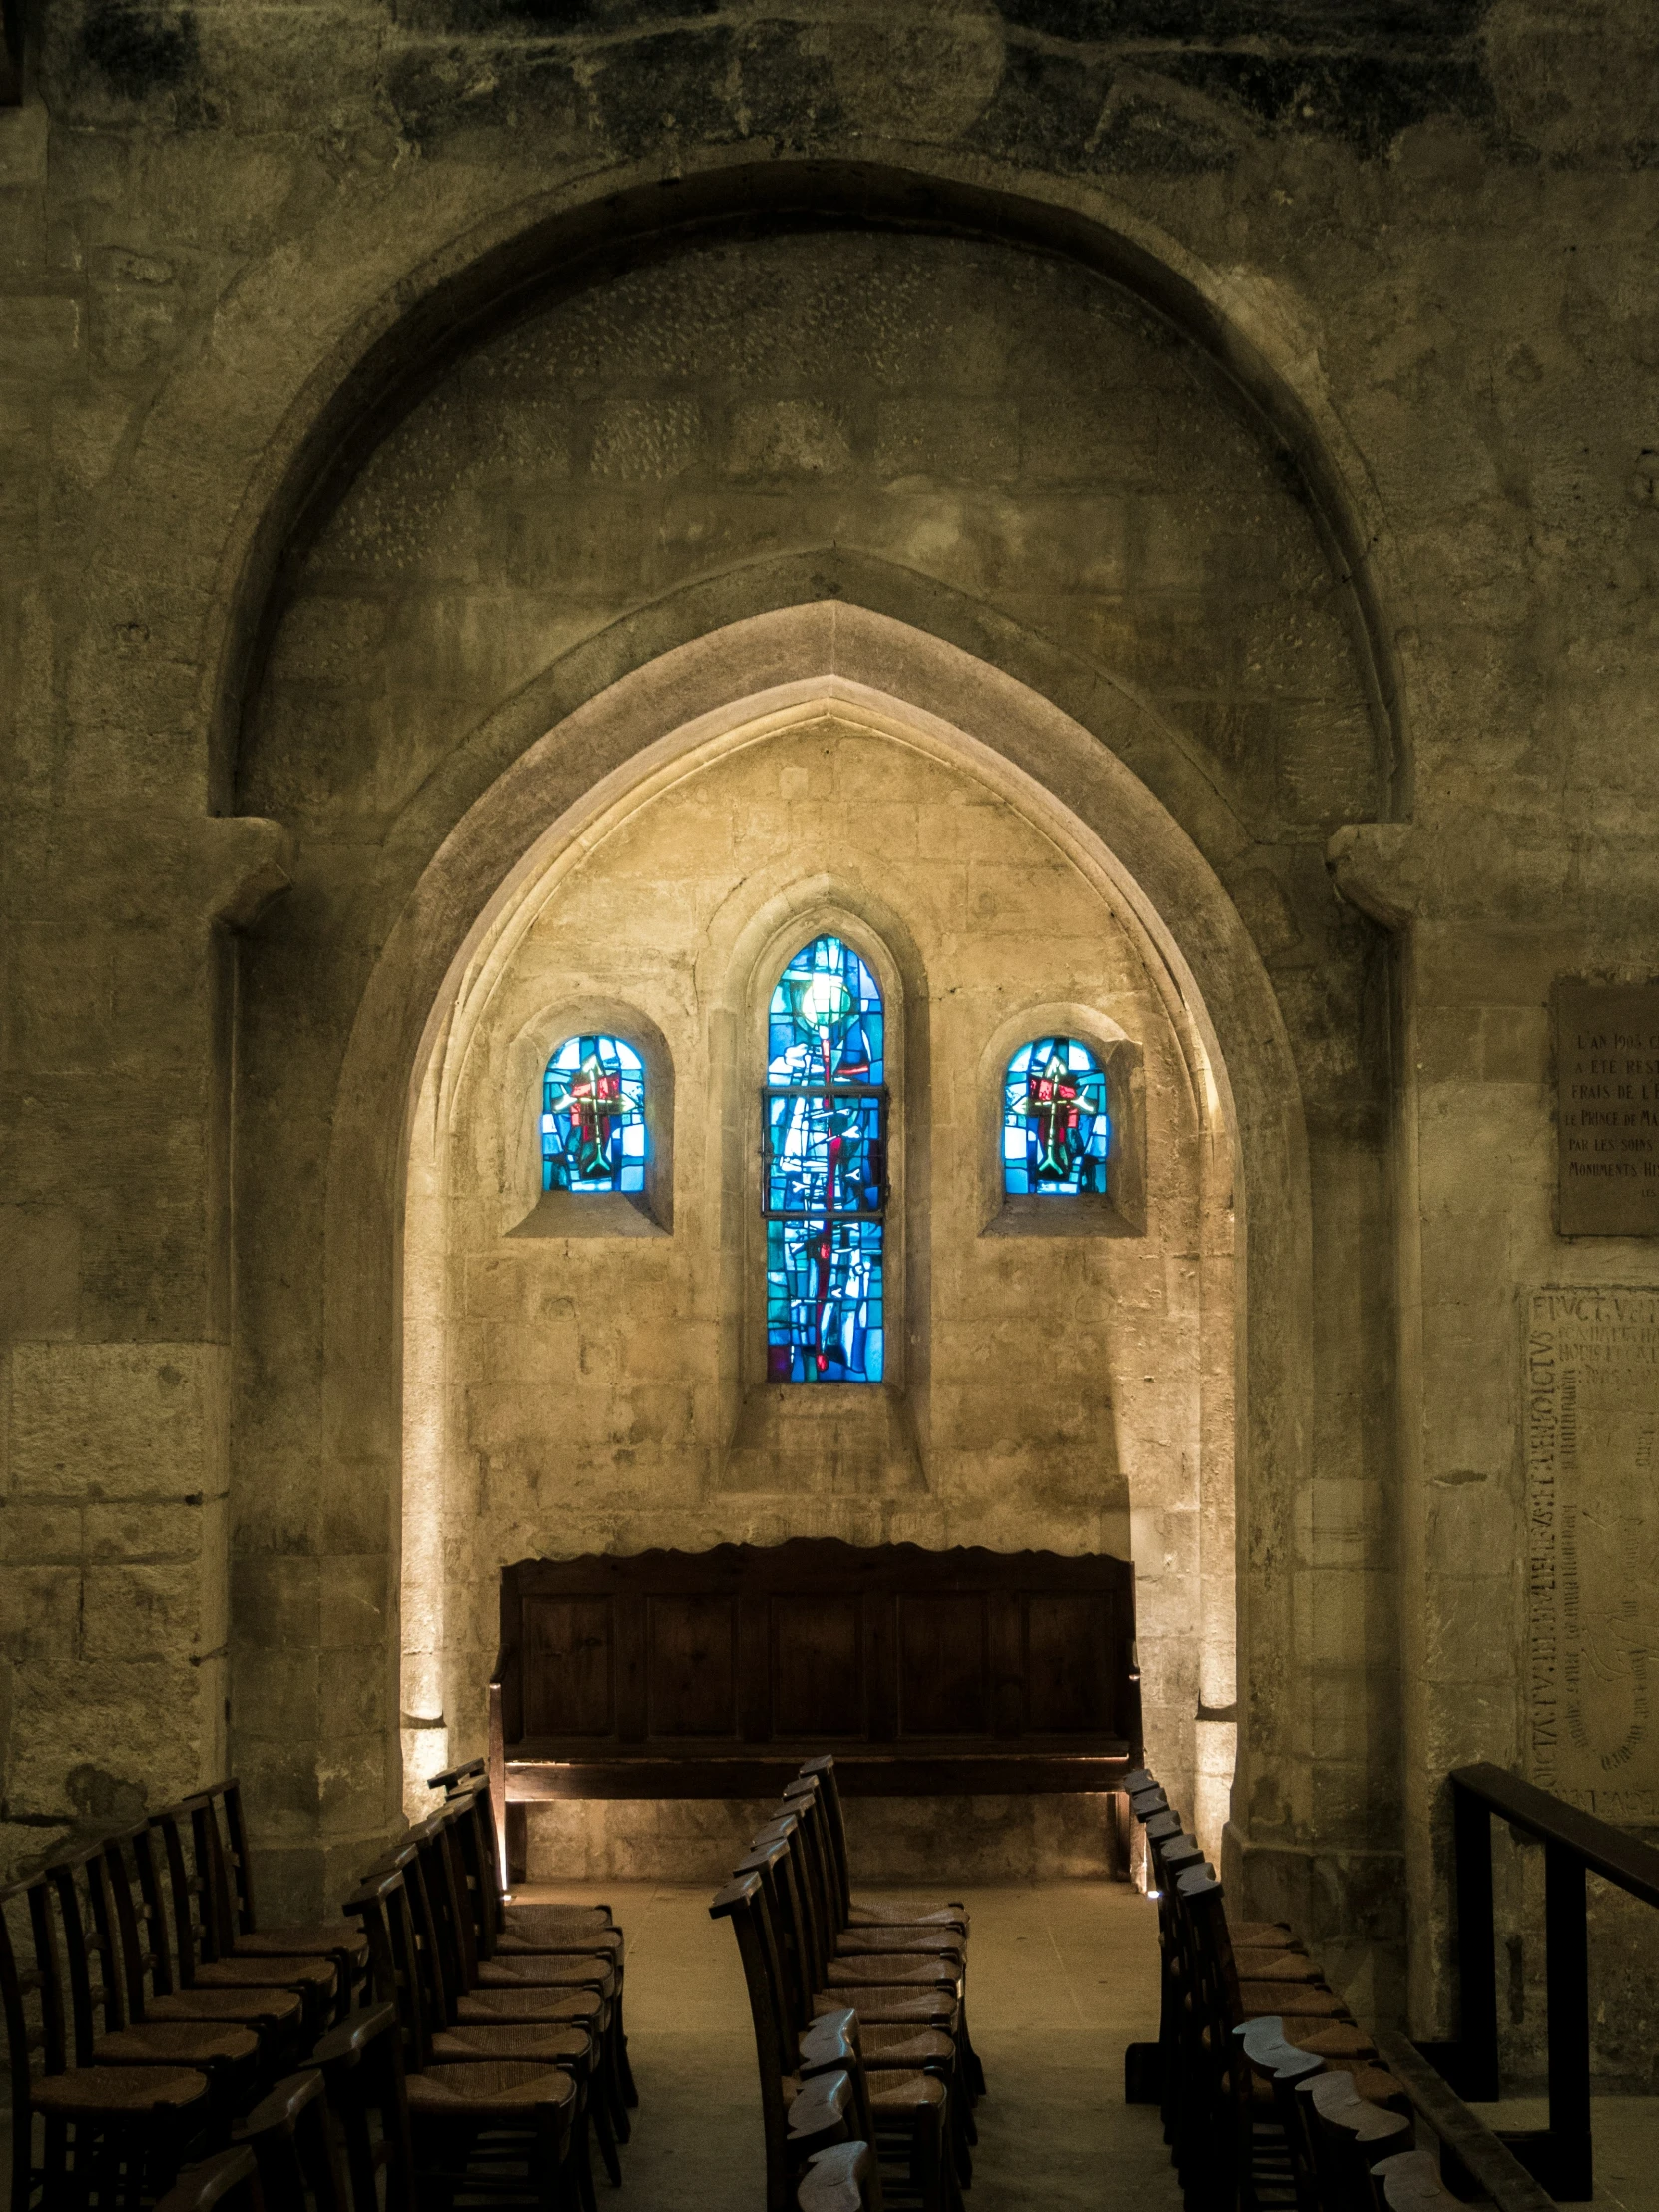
x: 824, y: 1131
x: 593, y: 1117
x: 1056, y: 1131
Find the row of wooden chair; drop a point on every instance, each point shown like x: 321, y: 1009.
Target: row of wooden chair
x: 860, y: 2018
x: 146, y: 2013
x: 1272, y: 2097
x: 163, y: 2047
x: 510, y: 2035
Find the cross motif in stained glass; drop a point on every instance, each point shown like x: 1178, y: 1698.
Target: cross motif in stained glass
x: 593, y: 1135
x: 1056, y: 1131
x: 824, y: 1121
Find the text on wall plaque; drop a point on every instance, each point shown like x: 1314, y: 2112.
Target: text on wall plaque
x: 1607, y: 1108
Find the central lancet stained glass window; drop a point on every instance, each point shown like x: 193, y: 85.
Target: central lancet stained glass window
x: 824, y: 1121
x: 593, y: 1135
x: 1056, y: 1131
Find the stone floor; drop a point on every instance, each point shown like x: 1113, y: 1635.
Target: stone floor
x: 1625, y: 2131
x: 1064, y: 1974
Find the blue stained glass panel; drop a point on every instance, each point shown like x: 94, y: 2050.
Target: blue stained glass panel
x: 592, y: 1134
x: 1056, y: 1131
x: 825, y: 1130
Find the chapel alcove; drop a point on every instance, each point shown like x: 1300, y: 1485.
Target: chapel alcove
x: 1002, y: 499
x: 600, y: 1392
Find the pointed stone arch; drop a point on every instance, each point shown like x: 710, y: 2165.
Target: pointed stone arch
x: 637, y: 734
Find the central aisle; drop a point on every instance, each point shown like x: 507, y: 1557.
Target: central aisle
x: 1064, y: 1974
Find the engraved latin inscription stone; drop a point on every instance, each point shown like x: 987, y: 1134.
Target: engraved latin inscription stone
x: 1593, y: 1416
x: 1607, y: 1107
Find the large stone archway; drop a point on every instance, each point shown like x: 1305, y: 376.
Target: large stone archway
x: 637, y: 736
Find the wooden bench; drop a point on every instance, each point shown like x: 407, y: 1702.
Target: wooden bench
x: 669, y: 1674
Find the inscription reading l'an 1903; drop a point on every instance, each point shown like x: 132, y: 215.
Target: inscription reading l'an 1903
x: 1592, y: 1380
x: 1607, y: 1108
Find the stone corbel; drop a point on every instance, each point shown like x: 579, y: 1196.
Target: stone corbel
x: 1378, y: 867
x: 241, y: 863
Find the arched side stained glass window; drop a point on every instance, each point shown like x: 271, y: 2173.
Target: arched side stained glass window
x: 1056, y: 1131
x: 824, y: 1121
x: 593, y: 1117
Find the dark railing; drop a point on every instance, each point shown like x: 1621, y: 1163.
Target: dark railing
x: 1574, y: 1844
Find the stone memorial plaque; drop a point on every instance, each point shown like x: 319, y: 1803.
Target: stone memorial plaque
x: 1591, y: 1398
x: 1607, y: 1107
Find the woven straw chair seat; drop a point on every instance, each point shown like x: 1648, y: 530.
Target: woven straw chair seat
x: 875, y: 1943
x: 500, y: 2088
x: 891, y: 2007
x: 305, y: 1943
x: 281, y: 2006
x: 551, y: 2007
x: 285, y: 1972
x: 1261, y: 2000
x: 182, y: 2042
x: 885, y: 2047
x: 549, y: 1973
x: 889, y: 1972
x: 531, y: 2043
x: 88, y: 2090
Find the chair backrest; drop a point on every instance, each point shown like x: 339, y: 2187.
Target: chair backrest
x: 224, y: 1805
x: 381, y: 1903
x: 1206, y: 1952
x: 844, y: 2178
x: 798, y: 1905
x: 226, y: 2182
x: 1349, y: 2134
x: 821, y: 1770
x: 805, y: 1796
x: 443, y: 1925
x: 81, y: 1896
x: 1410, y: 2181
x: 471, y: 1827
x: 742, y: 1901
x: 140, y: 1899
x: 455, y: 1778
x: 770, y: 1862
x: 195, y: 1921
x: 1282, y: 2066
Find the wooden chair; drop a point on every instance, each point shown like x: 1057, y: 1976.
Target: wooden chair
x: 226, y: 2182
x: 141, y: 1902
x: 477, y: 2020
x: 1273, y: 2069
x: 844, y: 2178
x: 576, y: 2038
x: 495, y: 2126
x: 858, y: 1910
x: 198, y: 1948
x: 120, y: 2132
x: 1349, y: 2133
x: 219, y: 1811
x: 1410, y: 2181
x: 469, y: 1797
x: 1215, y: 2001
x: 887, y: 2044
x: 293, y: 2143
x: 910, y: 2110
x: 804, y: 1799
x: 534, y: 1936
x: 361, y: 2065
x: 77, y: 1897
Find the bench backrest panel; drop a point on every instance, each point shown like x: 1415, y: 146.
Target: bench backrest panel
x: 817, y: 1640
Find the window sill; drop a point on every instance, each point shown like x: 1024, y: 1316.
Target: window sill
x: 1031, y: 1215
x: 588, y: 1214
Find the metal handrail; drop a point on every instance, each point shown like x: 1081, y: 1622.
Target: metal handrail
x: 1575, y: 1843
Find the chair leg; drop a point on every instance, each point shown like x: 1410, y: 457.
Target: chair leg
x: 599, y: 2105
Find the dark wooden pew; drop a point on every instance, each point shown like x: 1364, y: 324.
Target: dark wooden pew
x: 715, y: 1673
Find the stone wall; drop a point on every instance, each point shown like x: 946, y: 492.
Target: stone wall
x: 1346, y: 490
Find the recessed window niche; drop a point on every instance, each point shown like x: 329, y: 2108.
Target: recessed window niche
x: 1062, y: 1127
x: 590, y: 1150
